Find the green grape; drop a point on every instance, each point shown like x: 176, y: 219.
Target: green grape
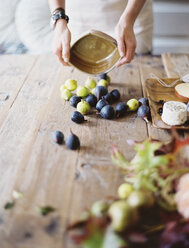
x: 83, y: 91
x: 122, y: 215
x: 103, y: 82
x: 71, y: 84
x: 99, y: 208
x: 66, y: 94
x: 133, y: 104
x: 83, y: 107
x: 140, y: 198
x: 125, y: 190
x: 90, y: 83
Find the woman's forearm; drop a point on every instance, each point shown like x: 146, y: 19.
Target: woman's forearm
x: 132, y: 10
x: 54, y: 4
x: 126, y: 40
x: 61, y: 34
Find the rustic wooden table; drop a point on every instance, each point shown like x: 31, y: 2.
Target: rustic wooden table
x: 48, y: 174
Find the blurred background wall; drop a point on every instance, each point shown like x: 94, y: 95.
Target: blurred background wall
x: 171, y: 26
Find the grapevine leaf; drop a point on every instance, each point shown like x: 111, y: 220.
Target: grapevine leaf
x: 154, y: 168
x: 119, y: 159
x: 146, y: 158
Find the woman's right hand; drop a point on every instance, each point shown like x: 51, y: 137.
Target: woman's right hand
x: 126, y: 41
x: 61, y: 41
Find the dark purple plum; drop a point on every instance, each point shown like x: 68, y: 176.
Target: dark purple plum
x: 107, y: 112
x: 92, y: 100
x: 160, y: 111
x: 72, y: 141
x: 108, y: 98
x: 100, y: 104
x: 143, y: 101
x: 103, y: 76
x: 100, y: 91
x: 74, y: 100
x: 115, y: 95
x: 143, y: 112
x: 121, y: 109
x: 77, y: 117
x: 58, y: 137
x: 161, y: 102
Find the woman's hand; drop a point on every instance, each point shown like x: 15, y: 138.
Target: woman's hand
x: 61, y: 41
x: 126, y: 41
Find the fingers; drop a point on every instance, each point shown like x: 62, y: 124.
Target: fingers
x: 61, y: 48
x: 121, y: 62
x: 66, y: 51
x: 126, y: 43
x: 130, y: 52
x: 58, y: 53
x: 121, y: 46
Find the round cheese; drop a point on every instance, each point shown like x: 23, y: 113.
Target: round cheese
x: 174, y: 113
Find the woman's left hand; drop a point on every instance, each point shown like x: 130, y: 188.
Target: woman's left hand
x: 126, y: 42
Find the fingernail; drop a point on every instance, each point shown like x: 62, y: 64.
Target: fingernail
x: 121, y: 54
x: 66, y: 60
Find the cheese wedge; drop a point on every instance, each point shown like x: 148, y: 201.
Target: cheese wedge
x: 182, y: 91
x: 174, y: 113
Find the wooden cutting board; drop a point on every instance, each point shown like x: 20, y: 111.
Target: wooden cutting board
x: 157, y: 94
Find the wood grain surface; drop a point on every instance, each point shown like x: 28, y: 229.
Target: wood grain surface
x: 48, y: 174
x: 158, y: 93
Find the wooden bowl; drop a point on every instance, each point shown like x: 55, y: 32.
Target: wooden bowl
x: 94, y: 53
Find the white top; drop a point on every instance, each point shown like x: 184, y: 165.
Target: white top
x: 104, y: 15
x: 31, y: 21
